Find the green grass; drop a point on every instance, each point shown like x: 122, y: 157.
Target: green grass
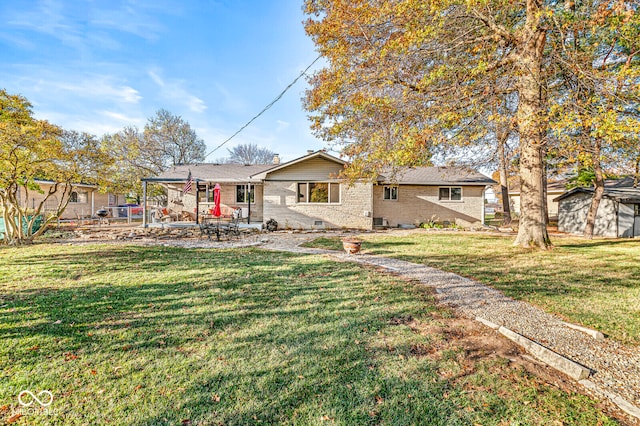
x: 145, y: 336
x: 595, y: 283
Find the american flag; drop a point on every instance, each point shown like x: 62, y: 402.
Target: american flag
x: 189, y: 184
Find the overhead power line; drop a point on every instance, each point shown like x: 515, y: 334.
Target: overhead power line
x: 277, y: 98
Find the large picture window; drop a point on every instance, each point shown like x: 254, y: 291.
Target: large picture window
x: 390, y: 193
x: 450, y: 194
x: 319, y: 192
x: 243, y: 192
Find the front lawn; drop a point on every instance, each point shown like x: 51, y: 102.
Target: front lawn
x: 129, y: 335
x: 594, y: 283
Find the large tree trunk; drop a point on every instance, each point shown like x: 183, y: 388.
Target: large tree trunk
x: 504, y: 183
x: 597, y: 194
x: 532, y: 230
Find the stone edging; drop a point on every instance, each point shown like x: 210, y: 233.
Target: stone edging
x: 571, y: 368
x: 593, y: 333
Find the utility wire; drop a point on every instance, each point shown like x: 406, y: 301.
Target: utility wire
x: 277, y: 98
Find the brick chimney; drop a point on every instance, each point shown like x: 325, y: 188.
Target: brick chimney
x: 276, y: 158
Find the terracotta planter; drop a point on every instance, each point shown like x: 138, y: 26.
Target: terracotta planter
x: 352, y: 246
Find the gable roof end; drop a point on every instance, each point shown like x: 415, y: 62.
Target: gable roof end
x: 321, y: 153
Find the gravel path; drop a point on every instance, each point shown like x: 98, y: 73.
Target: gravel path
x: 615, y: 367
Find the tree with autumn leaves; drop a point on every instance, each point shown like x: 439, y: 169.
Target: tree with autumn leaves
x: 408, y: 79
x: 33, y: 150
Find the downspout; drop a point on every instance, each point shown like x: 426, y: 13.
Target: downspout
x: 484, y: 190
x: 616, y: 210
x: 249, y: 204
x: 197, y: 205
x: 144, y: 204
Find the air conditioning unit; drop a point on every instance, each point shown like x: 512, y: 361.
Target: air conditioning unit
x: 380, y: 221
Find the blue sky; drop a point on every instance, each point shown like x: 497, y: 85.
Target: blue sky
x: 100, y: 65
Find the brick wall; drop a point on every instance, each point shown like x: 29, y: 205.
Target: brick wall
x: 280, y: 203
x: 419, y: 203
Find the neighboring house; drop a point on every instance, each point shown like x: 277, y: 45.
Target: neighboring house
x: 83, y: 203
x: 306, y: 193
x: 618, y: 214
x: 554, y: 189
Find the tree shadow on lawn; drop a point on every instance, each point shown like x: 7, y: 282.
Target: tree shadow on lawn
x: 600, y: 243
x: 164, y: 320
x: 272, y: 338
x: 497, y: 268
x: 582, y: 283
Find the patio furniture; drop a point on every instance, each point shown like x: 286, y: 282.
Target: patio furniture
x: 167, y: 215
x: 218, y: 226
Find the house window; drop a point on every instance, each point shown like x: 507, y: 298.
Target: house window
x: 390, y: 193
x: 78, y: 197
x: 243, y: 192
x: 636, y: 210
x: 450, y: 194
x: 319, y: 192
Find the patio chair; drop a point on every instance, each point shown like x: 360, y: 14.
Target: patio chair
x: 234, y: 228
x: 168, y: 215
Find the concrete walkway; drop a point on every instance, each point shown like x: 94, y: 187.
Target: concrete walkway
x: 614, y: 367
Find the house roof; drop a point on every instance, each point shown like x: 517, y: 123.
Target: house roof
x: 210, y: 172
x: 437, y: 176
x: 74, y: 184
x: 237, y: 173
x: 621, y: 190
x: 558, y: 186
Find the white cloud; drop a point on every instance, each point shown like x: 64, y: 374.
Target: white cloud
x: 156, y: 78
x: 138, y: 19
x: 282, y: 125
x: 124, y: 118
x: 174, y: 90
x: 18, y: 41
x: 229, y: 101
x: 99, y: 87
x: 48, y: 18
x: 81, y: 123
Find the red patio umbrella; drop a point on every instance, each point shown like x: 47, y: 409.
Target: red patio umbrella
x: 216, y: 200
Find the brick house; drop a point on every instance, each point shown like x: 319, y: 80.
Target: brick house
x: 306, y: 193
